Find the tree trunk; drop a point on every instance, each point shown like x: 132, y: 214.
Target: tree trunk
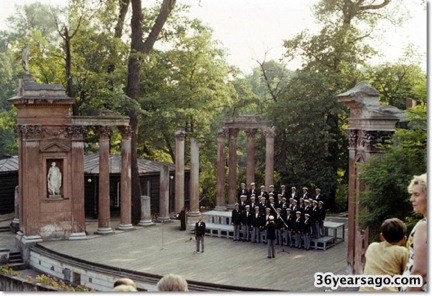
x: 68, y: 68
x: 138, y: 49
x: 118, y: 30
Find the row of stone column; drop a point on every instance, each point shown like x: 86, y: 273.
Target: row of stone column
x: 125, y: 181
x: 194, y: 210
x: 232, y: 162
x: 104, y: 133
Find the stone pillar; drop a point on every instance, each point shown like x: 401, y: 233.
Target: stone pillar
x: 164, y: 194
x: 352, y: 183
x: 146, y: 218
x: 78, y: 214
x: 125, y: 180
x: 104, y: 182
x: 179, y: 172
x: 30, y: 205
x: 20, y: 178
x: 194, y: 178
x: 269, y: 164
x: 232, y: 173
x: 220, y: 171
x: 15, y: 221
x: 250, y: 164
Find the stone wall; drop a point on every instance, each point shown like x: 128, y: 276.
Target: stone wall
x: 16, y: 284
x: 97, y: 278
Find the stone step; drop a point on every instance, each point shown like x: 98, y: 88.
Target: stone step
x: 18, y: 266
x: 16, y: 261
x: 4, y: 229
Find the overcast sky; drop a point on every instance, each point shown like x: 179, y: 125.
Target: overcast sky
x: 252, y: 29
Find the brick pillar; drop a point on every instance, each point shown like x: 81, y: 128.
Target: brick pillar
x: 250, y: 165
x: 269, y: 164
x: 104, y: 182
x: 179, y: 172
x: 125, y: 180
x: 220, y: 171
x: 164, y: 193
x: 232, y: 173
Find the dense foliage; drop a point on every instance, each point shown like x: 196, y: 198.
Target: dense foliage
x: 387, y: 177
x: 186, y: 83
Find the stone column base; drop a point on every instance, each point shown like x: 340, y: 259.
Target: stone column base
x: 193, y: 214
x: 164, y: 219
x: 107, y: 230
x: 31, y: 239
x: 125, y: 227
x: 77, y: 235
x: 230, y: 207
x: 220, y: 208
x: 146, y: 223
x: 24, y: 242
x: 14, y: 225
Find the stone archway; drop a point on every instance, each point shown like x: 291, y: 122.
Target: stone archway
x: 231, y: 128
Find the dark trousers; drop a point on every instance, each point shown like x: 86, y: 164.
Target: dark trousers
x: 256, y: 234
x: 236, y: 231
x: 200, y: 240
x: 271, y: 247
x: 246, y: 233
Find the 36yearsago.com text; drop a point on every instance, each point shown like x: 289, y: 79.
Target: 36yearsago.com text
x: 335, y: 281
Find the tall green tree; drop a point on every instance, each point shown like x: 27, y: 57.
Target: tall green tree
x: 388, y: 176
x: 186, y: 87
x: 398, y: 82
x: 331, y: 59
x: 7, y: 79
x: 8, y: 144
x: 139, y: 49
x: 303, y: 135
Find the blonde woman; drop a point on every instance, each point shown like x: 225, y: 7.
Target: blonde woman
x: 417, y: 241
x: 172, y: 282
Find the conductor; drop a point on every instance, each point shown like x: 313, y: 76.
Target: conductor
x: 200, y: 229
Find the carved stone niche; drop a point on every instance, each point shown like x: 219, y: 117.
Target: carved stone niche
x: 54, y: 178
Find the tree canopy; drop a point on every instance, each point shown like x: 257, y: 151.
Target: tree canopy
x: 387, y: 177
x: 166, y: 71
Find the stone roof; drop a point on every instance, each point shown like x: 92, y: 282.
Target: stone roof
x: 362, y: 88
x: 91, y: 165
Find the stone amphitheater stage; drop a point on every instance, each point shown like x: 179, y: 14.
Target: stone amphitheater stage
x: 162, y: 249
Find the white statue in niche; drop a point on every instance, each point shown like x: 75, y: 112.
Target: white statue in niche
x: 54, y: 179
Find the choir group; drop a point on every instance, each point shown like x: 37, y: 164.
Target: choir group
x: 298, y: 216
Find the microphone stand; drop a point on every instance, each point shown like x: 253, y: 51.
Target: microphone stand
x: 163, y: 226
x: 283, y: 249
